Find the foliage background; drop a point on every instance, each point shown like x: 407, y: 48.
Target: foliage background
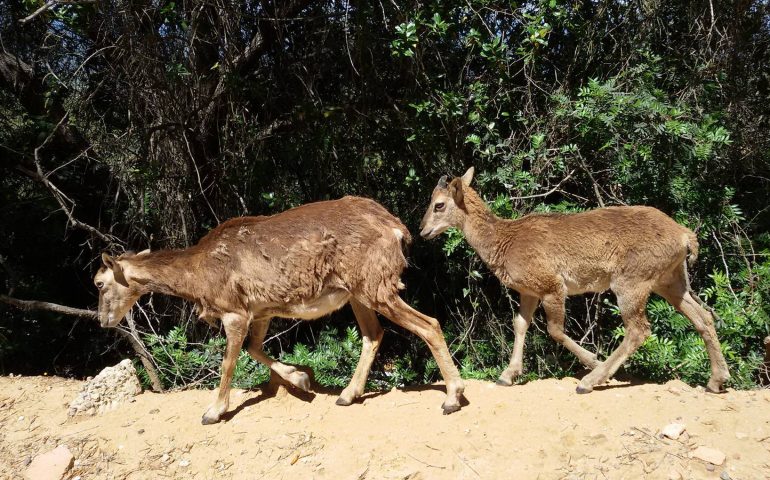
x: 128, y: 125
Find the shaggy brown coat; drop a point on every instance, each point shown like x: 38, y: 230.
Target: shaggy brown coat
x: 303, y: 263
x: 545, y: 257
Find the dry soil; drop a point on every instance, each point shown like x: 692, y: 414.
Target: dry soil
x: 540, y: 430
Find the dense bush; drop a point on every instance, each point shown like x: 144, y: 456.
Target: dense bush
x: 127, y: 126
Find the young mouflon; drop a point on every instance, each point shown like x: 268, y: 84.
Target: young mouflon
x: 632, y: 251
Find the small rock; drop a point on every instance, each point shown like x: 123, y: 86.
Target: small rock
x: 184, y: 463
x: 598, y: 438
x: 710, y: 455
x: 674, y: 475
x: 52, y: 465
x: 165, y: 458
x: 710, y: 467
x: 141, y: 431
x: 725, y: 476
x: 673, y: 430
x: 154, y: 410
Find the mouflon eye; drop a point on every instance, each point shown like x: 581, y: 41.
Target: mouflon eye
x: 439, y: 206
x: 99, y: 285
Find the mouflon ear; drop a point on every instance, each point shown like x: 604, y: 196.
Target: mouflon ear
x: 117, y: 269
x: 117, y: 272
x: 442, y: 182
x: 468, y: 176
x: 456, y: 192
x: 143, y: 252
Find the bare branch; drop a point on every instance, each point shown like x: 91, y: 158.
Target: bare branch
x: 30, y: 305
x: 46, y: 6
x: 596, y: 186
x: 724, y: 262
x: 198, y: 175
x: 254, y: 50
x: 49, y: 5
x: 554, y: 189
x: 132, y: 336
x: 67, y: 204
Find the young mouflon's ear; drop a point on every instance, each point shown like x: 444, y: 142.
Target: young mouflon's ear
x: 107, y: 260
x: 441, y: 182
x: 468, y: 176
x: 456, y: 192
x: 143, y: 252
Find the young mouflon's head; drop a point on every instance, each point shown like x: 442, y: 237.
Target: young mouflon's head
x: 116, y: 294
x: 447, y: 206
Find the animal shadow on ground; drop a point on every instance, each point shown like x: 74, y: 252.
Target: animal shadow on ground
x: 439, y: 388
x: 271, y: 388
x: 622, y: 380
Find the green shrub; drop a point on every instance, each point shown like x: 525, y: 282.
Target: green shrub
x: 675, y: 350
x: 333, y: 358
x: 182, y: 363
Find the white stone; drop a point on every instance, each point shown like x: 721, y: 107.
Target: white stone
x: 673, y: 430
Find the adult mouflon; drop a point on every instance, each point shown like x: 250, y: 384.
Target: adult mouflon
x: 303, y: 263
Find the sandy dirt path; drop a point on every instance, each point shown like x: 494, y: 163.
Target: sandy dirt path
x: 538, y: 430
